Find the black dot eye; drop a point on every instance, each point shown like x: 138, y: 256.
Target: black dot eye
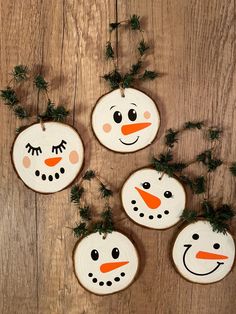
x: 216, y: 246
x: 115, y: 253
x: 117, y: 116
x: 94, y: 255
x: 168, y: 194
x: 146, y: 185
x: 195, y: 236
x: 132, y: 114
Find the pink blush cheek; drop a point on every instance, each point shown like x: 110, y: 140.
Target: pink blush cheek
x: 26, y: 162
x: 74, y: 157
x: 147, y: 115
x: 106, y: 127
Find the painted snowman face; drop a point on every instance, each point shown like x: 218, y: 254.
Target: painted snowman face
x: 48, y: 161
x: 105, y: 266
x: 152, y: 199
x: 125, y: 124
x: 202, y: 255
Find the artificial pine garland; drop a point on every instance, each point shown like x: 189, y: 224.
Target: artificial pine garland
x: 87, y: 226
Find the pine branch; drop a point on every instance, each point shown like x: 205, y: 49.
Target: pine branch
x: 233, y: 169
x: 113, y: 26
x: 193, y: 125
x: 89, y: 175
x: 109, y: 51
x: 105, y: 225
x: 20, y: 112
x: 40, y: 83
x: 54, y: 113
x: 127, y: 80
x: 85, y: 212
x: 171, y: 138
x: 9, y: 96
x: 149, y: 75
x: 162, y: 165
x: 105, y: 192
x: 80, y: 230
x: 76, y: 194
x: 189, y: 215
x: 135, y: 22
x: 143, y: 47
x: 114, y: 78
x: 197, y: 185
x: 135, y: 68
x: 214, y: 134
x: 207, y: 160
x: 20, y: 73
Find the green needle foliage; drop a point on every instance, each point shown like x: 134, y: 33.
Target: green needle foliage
x: 113, y: 26
x: 20, y: 112
x: 40, y: 83
x: 54, y: 113
x: 197, y: 185
x: 105, y: 225
x: 193, y: 125
x: 114, y: 78
x: 207, y: 159
x: 189, y: 215
x: 233, y: 169
x: 171, y: 138
x: 89, y: 175
x: 163, y: 164
x: 76, y: 194
x: 214, y: 134
x: 149, y: 75
x: 135, y: 68
x: 85, y: 212
x: 81, y: 230
x: 20, y: 73
x: 9, y: 96
x: 109, y: 51
x: 143, y: 47
x: 105, y: 192
x: 135, y: 22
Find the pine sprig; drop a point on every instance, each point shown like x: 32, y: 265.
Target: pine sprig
x: 89, y: 175
x: 106, y: 224
x: 81, y: 230
x: 197, y: 185
x: 76, y: 194
x: 193, y: 125
x: 105, y: 192
x: 163, y: 164
x: 171, y: 138
x: 135, y: 68
x: 85, y: 212
x: 142, y: 47
x: 54, y: 113
x: 20, y: 73
x: 149, y: 75
x: 114, y: 78
x: 20, y: 112
x: 135, y: 22
x: 189, y: 215
x: 109, y: 52
x: 40, y: 83
x: 214, y: 134
x: 207, y: 159
x: 113, y: 26
x: 232, y: 168
x: 9, y: 96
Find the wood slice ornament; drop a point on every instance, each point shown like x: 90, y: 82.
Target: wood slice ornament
x: 153, y: 199
x: 202, y: 255
x: 126, y: 119
x: 47, y: 159
x: 105, y: 265
x: 125, y: 124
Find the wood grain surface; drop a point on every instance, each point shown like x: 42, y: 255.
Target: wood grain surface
x: 194, y: 46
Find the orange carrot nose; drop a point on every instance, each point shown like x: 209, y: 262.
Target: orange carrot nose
x: 106, y: 267
x: 208, y: 255
x: 135, y: 127
x: 50, y: 162
x: 151, y: 201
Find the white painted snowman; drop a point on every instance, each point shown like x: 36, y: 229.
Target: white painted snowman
x: 202, y: 255
x: 153, y: 199
x: 105, y: 266
x: 125, y: 124
x: 48, y: 160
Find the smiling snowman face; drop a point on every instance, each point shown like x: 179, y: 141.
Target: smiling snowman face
x: 152, y: 199
x: 125, y: 124
x: 105, y: 266
x: 202, y: 255
x: 48, y: 161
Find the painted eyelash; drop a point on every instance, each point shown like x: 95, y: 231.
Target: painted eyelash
x: 32, y: 150
x: 59, y: 147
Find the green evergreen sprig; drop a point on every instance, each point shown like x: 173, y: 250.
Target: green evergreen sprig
x: 163, y: 164
x: 232, y: 169
x: 142, y: 47
x: 89, y: 175
x: 171, y: 138
x: 197, y: 185
x: 191, y: 125
x: 109, y: 51
x: 20, y: 112
x: 105, y: 192
x: 135, y: 22
x: 207, y: 159
x: 76, y: 194
x: 214, y: 134
x: 189, y: 215
x: 54, y: 113
x: 20, y: 73
x: 85, y: 213
x: 149, y: 75
x: 81, y: 230
x: 106, y: 224
x: 40, y: 83
x: 9, y: 96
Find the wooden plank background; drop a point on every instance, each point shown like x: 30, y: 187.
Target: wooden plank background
x: 194, y: 45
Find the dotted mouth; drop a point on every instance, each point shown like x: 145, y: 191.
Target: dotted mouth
x: 50, y: 177
x: 129, y: 143
x: 107, y: 283
x: 151, y: 217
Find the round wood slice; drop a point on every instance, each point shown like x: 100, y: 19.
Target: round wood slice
x: 105, y: 266
x: 202, y: 255
x: 153, y: 199
x: 48, y: 160
x: 125, y: 124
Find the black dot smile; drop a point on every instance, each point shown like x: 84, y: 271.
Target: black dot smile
x: 50, y: 178
x: 188, y: 246
x: 107, y: 283
x: 151, y: 217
